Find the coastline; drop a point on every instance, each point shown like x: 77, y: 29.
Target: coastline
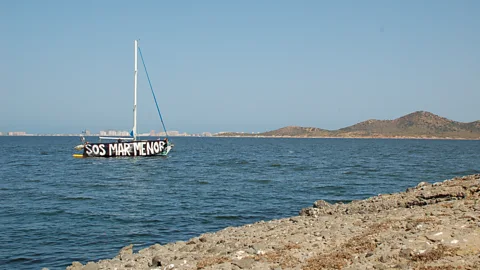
x: 352, y: 137
x: 430, y: 226
x: 272, y: 136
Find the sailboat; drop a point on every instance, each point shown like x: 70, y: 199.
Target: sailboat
x: 128, y: 146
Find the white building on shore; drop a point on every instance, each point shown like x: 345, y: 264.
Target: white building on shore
x: 17, y: 133
x: 114, y: 133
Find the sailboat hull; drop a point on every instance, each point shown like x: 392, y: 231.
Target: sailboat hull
x: 126, y: 149
x: 122, y: 148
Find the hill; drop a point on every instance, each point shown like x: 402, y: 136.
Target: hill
x: 420, y: 124
x: 298, y: 131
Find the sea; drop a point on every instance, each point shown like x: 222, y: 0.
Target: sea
x: 55, y: 209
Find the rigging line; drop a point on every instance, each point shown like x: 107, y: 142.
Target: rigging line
x: 153, y: 93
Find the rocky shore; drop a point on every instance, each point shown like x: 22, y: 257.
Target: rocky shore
x: 429, y: 227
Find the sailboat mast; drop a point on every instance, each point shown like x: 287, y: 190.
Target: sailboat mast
x: 135, y: 95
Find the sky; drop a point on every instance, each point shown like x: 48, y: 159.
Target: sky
x: 249, y: 66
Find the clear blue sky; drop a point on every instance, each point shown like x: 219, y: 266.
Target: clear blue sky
x: 236, y: 65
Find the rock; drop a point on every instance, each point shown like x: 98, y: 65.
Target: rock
x: 259, y: 247
x: 308, y: 212
x: 321, y: 204
x: 436, y: 237
x: 471, y: 216
x: 125, y: 252
x: 224, y: 266
x: 406, y: 252
x: 402, y: 266
x: 379, y: 266
x: 215, y: 250
x: 91, y: 266
x: 245, y: 263
x: 293, y: 220
x: 410, y: 226
x: 156, y: 261
x: 240, y: 254
x: 187, y: 248
x: 423, y: 184
x: 75, y: 266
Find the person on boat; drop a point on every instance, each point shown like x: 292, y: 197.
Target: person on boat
x: 165, y: 141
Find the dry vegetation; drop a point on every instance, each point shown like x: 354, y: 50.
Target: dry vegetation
x: 281, y: 256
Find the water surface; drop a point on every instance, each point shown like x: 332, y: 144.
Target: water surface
x: 55, y: 209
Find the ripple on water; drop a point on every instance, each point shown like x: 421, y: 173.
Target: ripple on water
x: 203, y: 182
x: 260, y: 181
x: 76, y: 198
x: 51, y: 212
x: 98, y: 185
x: 329, y: 187
x: 21, y: 260
x: 227, y: 217
x: 302, y: 168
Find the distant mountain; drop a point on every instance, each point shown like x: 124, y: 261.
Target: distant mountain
x: 298, y: 131
x: 418, y: 124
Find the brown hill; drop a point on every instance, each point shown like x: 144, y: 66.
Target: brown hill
x: 418, y: 124
x: 298, y: 132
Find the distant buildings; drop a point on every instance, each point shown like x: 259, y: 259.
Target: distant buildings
x: 16, y: 133
x: 153, y: 133
x: 114, y: 133
x: 170, y: 133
